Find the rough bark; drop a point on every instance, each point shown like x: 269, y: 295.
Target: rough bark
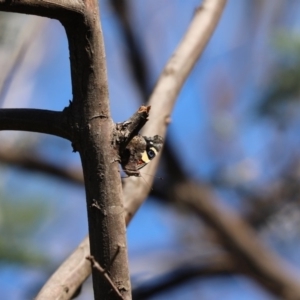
x: 162, y: 100
x: 90, y: 128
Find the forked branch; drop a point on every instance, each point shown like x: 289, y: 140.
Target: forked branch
x: 90, y: 128
x: 163, y: 100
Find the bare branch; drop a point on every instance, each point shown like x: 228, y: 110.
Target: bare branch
x: 55, y: 9
x: 241, y: 241
x: 199, y: 32
x: 90, y: 128
x: 175, y: 175
x: 136, y: 61
x: 127, y: 130
x: 204, y: 194
x: 28, y: 161
x: 35, y: 120
x: 93, y: 135
x: 65, y: 281
x: 185, y: 270
x: 168, y: 86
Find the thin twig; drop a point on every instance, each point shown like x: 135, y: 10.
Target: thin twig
x: 179, y: 271
x: 127, y: 130
x: 31, y: 161
x: 97, y: 266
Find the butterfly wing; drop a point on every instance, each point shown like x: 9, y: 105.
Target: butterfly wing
x: 139, y: 152
x: 131, y: 159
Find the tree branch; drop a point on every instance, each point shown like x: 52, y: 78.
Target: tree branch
x: 32, y: 162
x: 90, y: 128
x: 35, y: 120
x: 55, y: 9
x: 137, y: 62
x: 163, y: 100
x: 93, y: 135
x: 174, y: 169
x: 283, y: 283
x: 168, y: 86
x: 242, y: 242
x: 183, y: 270
x: 127, y: 130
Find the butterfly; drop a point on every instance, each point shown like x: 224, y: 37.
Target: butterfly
x: 139, y: 152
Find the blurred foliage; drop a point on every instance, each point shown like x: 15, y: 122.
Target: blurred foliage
x: 11, y: 26
x: 18, y: 222
x: 282, y: 98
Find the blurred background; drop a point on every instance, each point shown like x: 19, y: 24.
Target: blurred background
x: 235, y: 129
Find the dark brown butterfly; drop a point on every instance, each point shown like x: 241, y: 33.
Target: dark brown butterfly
x: 139, y: 152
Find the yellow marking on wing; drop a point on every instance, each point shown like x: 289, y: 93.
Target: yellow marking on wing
x: 145, y: 157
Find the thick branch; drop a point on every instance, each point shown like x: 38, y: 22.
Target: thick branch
x: 203, y: 196
x: 35, y: 120
x: 93, y: 135
x: 55, y: 9
x: 91, y: 129
x: 199, y: 32
x: 176, y: 175
x: 168, y: 86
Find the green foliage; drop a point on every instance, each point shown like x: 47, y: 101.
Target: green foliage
x: 18, y: 221
x: 284, y: 90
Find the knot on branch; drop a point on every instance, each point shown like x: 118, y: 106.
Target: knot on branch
x: 73, y: 127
